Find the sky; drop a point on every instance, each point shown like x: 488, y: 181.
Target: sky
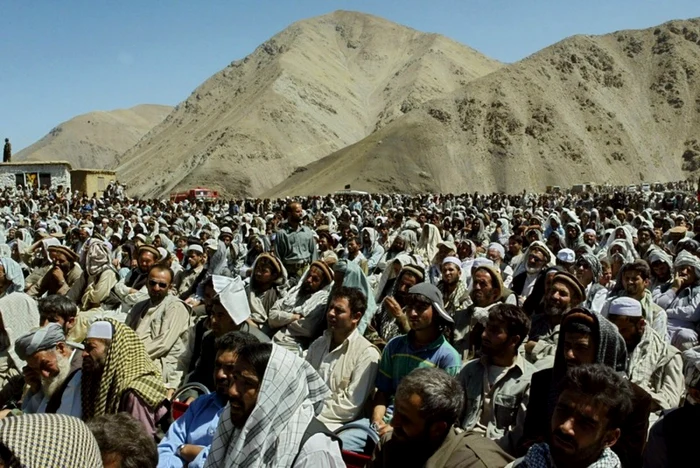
x: 62, y: 59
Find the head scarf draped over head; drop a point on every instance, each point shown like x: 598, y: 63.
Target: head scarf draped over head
x: 13, y: 274
x: 540, y: 246
x: 354, y: 277
x: 39, y: 340
x: 127, y: 367
x: 50, y: 440
x: 428, y: 242
x: 97, y: 258
x: 20, y: 314
x: 686, y: 259
x: 593, y: 262
x: 290, y: 395
x: 610, y: 346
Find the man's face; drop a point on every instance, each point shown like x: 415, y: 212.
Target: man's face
x: 82, y: 235
x: 296, y: 213
x: 62, y: 262
x: 494, y: 339
x: 223, y: 371
x: 408, y: 423
x: 644, y: 238
x: 323, y: 244
x: 483, y: 293
x: 571, y: 232
x: 398, y: 245
x: 579, y: 349
x: 353, y: 246
x: 584, y: 273
x: 579, y: 430
x: 146, y: 261
x: 450, y: 273
x: 590, y: 239
x: 263, y: 272
x: 220, y: 321
x: 419, y: 312
x: 514, y: 247
x: 494, y: 255
x: 634, y: 284
x: 688, y: 272
x: 243, y: 392
x: 464, y: 250
x: 94, y: 355
x: 227, y: 239
x: 340, y: 317
x: 313, y: 281
x: 630, y: 330
x: 558, y: 299
x: 535, y: 261
x: 158, y: 284
x: 195, y: 259
x: 406, y: 282
x: 661, y: 270
x: 366, y: 239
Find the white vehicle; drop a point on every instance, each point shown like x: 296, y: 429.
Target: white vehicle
x: 631, y: 188
x: 646, y: 188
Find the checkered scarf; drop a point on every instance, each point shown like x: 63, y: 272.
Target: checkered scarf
x: 538, y: 457
x: 49, y: 440
x: 290, y: 395
x: 127, y: 367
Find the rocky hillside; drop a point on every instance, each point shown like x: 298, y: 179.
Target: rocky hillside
x: 619, y: 108
x: 318, y: 86
x: 95, y: 140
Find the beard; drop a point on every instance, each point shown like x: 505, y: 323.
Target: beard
x: 532, y: 270
x: 51, y: 384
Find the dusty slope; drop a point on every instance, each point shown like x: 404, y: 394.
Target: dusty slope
x: 94, y: 140
x: 316, y: 87
x: 617, y: 108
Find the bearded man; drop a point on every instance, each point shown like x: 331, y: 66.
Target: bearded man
x: 58, y: 365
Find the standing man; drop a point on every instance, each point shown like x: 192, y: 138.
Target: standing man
x: 295, y: 244
x: 7, y: 151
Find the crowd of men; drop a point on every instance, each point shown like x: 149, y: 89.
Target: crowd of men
x: 529, y: 330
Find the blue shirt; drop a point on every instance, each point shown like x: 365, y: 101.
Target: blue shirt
x: 197, y: 427
x: 399, y: 358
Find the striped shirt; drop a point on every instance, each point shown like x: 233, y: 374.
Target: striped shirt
x: 399, y: 358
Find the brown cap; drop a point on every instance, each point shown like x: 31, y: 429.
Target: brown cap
x: 575, y: 287
x: 62, y: 249
x: 324, y: 268
x: 151, y: 249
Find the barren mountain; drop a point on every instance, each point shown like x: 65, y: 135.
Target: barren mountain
x: 618, y: 108
x: 94, y: 140
x: 316, y: 87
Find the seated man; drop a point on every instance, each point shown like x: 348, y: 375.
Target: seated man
x: 424, y: 346
x: 497, y: 385
x: 653, y: 364
x: 65, y: 271
x: 58, y: 309
x: 119, y: 376
x: 224, y: 317
x: 635, y: 278
x: 160, y: 323
x: 586, y: 338
x: 428, y: 402
x: 300, y: 313
x: 60, y: 367
x: 344, y: 359
x: 187, y: 281
x: 273, y: 402
x: 267, y: 283
x: 132, y: 289
x: 189, y: 437
x: 672, y: 442
x: 454, y: 291
x: 588, y: 420
x: 681, y: 299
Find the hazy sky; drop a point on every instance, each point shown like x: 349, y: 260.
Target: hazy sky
x: 64, y: 58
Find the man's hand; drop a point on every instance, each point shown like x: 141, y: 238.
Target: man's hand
x: 383, y: 428
x: 678, y: 281
x: 393, y: 307
x: 192, y: 302
x: 296, y: 317
x: 57, y: 275
x: 530, y: 346
x: 170, y: 393
x: 189, y: 452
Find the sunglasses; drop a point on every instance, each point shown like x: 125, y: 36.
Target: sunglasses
x: 157, y: 283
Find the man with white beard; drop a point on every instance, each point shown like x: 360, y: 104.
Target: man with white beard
x: 59, y: 367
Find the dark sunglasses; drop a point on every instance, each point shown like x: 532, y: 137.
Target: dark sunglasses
x: 158, y: 283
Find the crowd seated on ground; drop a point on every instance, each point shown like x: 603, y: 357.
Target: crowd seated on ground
x: 531, y: 330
